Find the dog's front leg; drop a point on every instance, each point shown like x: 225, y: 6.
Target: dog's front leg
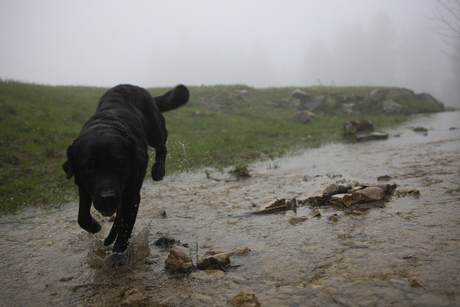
x: 85, y: 220
x: 128, y: 218
x: 158, y: 168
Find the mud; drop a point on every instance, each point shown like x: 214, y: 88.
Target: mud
x: 404, y: 254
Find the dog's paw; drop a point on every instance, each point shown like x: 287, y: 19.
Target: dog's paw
x: 158, y: 171
x: 95, y: 226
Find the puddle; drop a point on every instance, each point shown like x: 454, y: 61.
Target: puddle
x: 407, y: 253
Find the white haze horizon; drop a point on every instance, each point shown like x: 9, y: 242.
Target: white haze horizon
x: 257, y: 43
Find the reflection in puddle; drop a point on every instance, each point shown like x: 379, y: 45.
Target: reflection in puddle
x: 407, y: 252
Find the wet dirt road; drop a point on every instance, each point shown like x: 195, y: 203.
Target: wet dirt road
x: 405, y: 254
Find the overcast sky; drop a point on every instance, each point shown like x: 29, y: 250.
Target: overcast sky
x: 162, y: 43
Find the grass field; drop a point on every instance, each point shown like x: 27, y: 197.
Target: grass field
x: 219, y: 127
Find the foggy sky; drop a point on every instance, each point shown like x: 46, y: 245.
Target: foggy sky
x: 259, y: 43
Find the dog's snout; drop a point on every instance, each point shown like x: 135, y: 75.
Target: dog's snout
x: 108, y: 198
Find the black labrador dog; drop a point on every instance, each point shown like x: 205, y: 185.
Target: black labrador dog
x: 109, y: 158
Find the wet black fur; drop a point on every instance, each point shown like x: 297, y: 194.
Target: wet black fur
x: 109, y: 158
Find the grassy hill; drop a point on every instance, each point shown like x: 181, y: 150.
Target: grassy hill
x: 221, y: 126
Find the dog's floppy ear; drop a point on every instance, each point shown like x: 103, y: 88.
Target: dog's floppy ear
x: 68, y: 165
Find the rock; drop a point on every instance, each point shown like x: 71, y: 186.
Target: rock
x: 245, y: 298
x: 369, y: 194
x: 354, y: 126
x: 408, y: 190
x: 314, y: 103
x: 420, y: 129
x: 331, y: 190
x: 363, y: 137
x: 241, y: 250
x: 133, y: 296
x: 388, y: 187
x: 349, y: 108
x: 345, y: 199
x: 378, y: 94
x: 314, y: 213
x: 384, y: 178
x: 178, y: 260
x: 166, y: 242
x: 301, y: 117
x: 297, y: 219
x: 216, y: 262
x: 333, y: 218
x: 424, y: 97
x: 311, y: 197
x: 391, y: 107
x: 304, y: 96
x: 160, y: 214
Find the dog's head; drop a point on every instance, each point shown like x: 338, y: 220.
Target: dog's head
x: 104, y: 164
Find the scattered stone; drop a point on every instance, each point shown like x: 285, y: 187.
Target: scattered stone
x: 333, y: 218
x: 241, y: 250
x: 353, y: 126
x: 216, y: 262
x: 407, y: 190
x: 245, y: 298
x: 301, y: 117
x: 331, y: 190
x: 314, y: 103
x: 133, y: 296
x: 362, y: 137
x: 414, y: 283
x: 178, y: 260
x: 384, y: 178
x: 297, y: 219
x: 166, y: 242
x: 47, y: 244
x: 314, y: 213
x: 160, y: 214
x: 307, y: 178
x: 345, y: 199
x: 369, y: 194
x: 311, y: 198
x: 420, y: 129
x: 276, y: 206
x: 391, y: 107
x: 378, y: 94
x: 304, y: 96
x: 453, y: 128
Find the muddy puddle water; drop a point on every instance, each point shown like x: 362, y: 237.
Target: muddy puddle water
x: 405, y: 254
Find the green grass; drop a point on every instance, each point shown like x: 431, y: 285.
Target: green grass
x: 219, y: 127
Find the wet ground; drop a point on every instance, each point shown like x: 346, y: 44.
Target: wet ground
x: 405, y: 254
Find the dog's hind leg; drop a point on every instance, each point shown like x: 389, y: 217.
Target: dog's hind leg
x: 85, y: 220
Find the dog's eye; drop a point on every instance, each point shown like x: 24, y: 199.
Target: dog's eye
x: 88, y: 167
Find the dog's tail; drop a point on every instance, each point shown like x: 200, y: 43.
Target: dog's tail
x: 173, y: 99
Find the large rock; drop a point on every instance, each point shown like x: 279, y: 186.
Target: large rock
x: 178, y: 260
x: 303, y: 96
x: 369, y: 194
x: 391, y: 107
x: 245, y: 298
x: 302, y: 117
x: 378, y: 94
x: 216, y: 262
x: 354, y: 126
x: 314, y: 103
x: 424, y: 97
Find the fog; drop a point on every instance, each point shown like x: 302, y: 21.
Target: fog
x: 259, y: 43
